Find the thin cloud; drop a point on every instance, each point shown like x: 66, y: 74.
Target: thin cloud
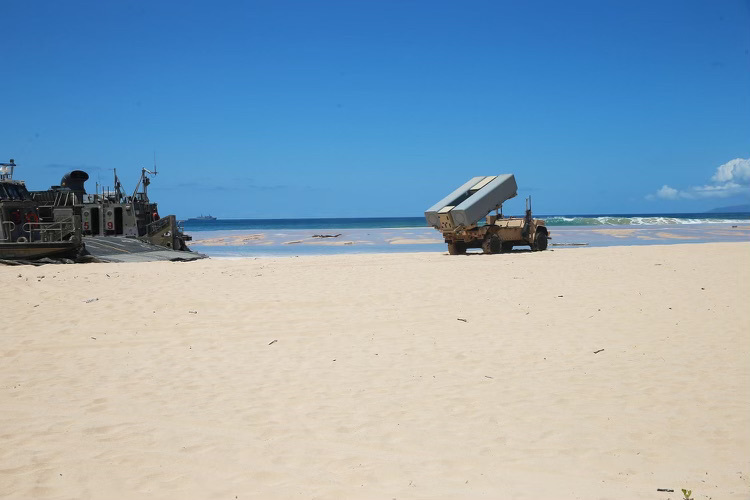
x: 730, y: 179
x: 667, y: 193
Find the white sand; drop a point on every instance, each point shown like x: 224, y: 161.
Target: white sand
x: 353, y: 377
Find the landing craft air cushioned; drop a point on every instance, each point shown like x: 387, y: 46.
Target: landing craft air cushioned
x: 456, y: 196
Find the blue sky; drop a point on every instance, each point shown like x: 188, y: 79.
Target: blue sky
x: 380, y: 108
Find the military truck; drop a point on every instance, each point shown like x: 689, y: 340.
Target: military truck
x: 464, y: 218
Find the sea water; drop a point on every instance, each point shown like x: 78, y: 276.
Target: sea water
x: 290, y: 237
x: 410, y: 222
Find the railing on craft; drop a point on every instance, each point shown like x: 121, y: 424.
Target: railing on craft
x: 51, y: 231
x: 8, y: 228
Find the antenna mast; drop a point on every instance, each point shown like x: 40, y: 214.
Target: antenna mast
x: 144, y: 180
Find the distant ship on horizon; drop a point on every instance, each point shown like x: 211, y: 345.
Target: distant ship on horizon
x: 204, y: 217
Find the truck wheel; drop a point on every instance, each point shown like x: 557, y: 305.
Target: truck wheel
x: 492, y: 244
x: 457, y: 248
x: 541, y: 242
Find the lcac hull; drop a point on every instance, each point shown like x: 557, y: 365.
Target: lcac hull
x: 37, y: 250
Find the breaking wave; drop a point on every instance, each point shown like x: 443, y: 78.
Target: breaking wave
x: 643, y: 220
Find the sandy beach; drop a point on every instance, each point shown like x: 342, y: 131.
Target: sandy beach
x: 574, y: 373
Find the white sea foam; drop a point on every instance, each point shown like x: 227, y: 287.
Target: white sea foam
x: 644, y: 220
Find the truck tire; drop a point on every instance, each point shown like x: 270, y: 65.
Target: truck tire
x: 456, y: 248
x: 492, y: 244
x: 541, y: 242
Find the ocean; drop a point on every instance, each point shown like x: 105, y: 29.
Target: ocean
x: 325, y: 236
x: 414, y: 222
